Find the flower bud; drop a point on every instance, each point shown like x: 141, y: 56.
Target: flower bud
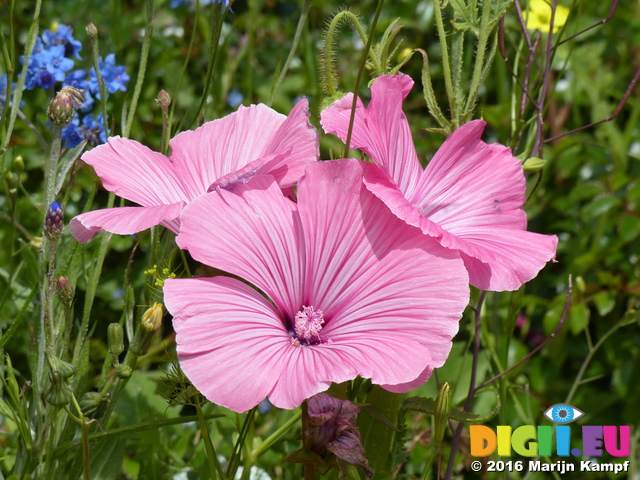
x: 123, y: 371
x: 152, y: 318
x: 63, y: 107
x: 59, y: 366
x: 53, y: 221
x: 150, y: 323
x: 164, y: 100
x: 533, y: 164
x: 92, y: 31
x: 115, y: 339
x: 58, y: 394
x: 442, y: 409
x: 64, y: 290
x: 18, y: 164
x: 94, y: 404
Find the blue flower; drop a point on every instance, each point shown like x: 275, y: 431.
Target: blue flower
x: 90, y: 128
x: 47, y: 66
x: 234, y: 98
x: 63, y: 36
x: 114, y: 76
x: 78, y: 79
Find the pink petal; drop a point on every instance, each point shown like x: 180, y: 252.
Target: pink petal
x: 132, y: 171
x: 475, y: 193
x: 299, y: 139
x: 231, y: 342
x: 360, y: 259
x: 469, y: 182
x: 124, y: 220
x: 510, y: 257
x: 252, y: 233
x: 223, y: 146
x: 380, y: 357
x: 381, y: 131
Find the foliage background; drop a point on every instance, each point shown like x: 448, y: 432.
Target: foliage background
x: 588, y: 195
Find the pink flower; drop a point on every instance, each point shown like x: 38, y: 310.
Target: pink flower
x: 351, y: 290
x: 254, y: 140
x: 469, y: 197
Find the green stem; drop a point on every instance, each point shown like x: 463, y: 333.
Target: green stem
x: 583, y: 368
x: 95, y: 54
x: 294, y: 47
x: 367, y: 51
x: 275, y: 436
x: 479, y: 66
x: 446, y: 68
x: 206, y: 437
x: 144, y: 55
x: 92, y: 288
x: 218, y: 18
x: 329, y: 76
x: 86, y: 462
x: 17, y: 93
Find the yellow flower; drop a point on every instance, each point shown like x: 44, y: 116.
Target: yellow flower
x: 538, y: 16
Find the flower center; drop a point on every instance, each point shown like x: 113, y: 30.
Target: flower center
x: 308, y: 323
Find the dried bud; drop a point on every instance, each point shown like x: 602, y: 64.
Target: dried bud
x: 442, y: 409
x: 332, y: 434
x: 53, y: 221
x: 164, y: 100
x: 94, y: 404
x: 92, y: 31
x: 115, y: 339
x: 58, y: 394
x: 64, y: 290
x: 150, y: 323
x: 63, y: 107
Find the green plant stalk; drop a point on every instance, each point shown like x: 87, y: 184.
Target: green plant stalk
x: 446, y: 67
x: 17, y: 93
x: 95, y: 55
x: 481, y: 48
x: 275, y: 436
x: 86, y: 460
x: 144, y: 55
x: 218, y: 18
x: 329, y: 76
x: 587, y: 360
x: 367, y: 52
x: 196, y: 20
x: 212, y: 458
x: 294, y: 47
x: 92, y: 288
x: 237, y: 448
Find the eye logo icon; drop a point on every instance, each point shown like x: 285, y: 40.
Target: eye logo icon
x: 563, y: 413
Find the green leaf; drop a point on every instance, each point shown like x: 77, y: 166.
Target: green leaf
x: 604, y: 302
x: 578, y: 318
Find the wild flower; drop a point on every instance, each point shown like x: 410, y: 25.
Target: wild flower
x: 63, y: 35
x: 47, y: 66
x: 538, y: 16
x: 469, y: 197
x: 90, y: 128
x: 78, y: 79
x: 114, y: 76
x: 223, y: 153
x: 351, y: 291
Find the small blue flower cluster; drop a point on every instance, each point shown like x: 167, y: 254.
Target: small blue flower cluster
x: 52, y: 62
x: 177, y: 3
